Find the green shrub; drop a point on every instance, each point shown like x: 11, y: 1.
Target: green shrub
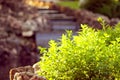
x: 110, y: 8
x: 89, y: 55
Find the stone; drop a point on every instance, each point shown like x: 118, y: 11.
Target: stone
x: 29, y: 25
x: 20, y: 69
x: 24, y: 73
x: 44, y: 25
x: 36, y: 67
x: 114, y: 21
x: 27, y: 33
x: 37, y: 78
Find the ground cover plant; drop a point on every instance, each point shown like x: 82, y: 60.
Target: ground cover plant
x: 89, y: 55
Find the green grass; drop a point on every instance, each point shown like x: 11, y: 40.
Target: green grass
x: 71, y: 4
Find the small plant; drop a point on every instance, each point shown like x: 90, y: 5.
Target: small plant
x: 89, y: 55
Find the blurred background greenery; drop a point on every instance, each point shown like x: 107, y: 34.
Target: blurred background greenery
x: 110, y: 8
x: 70, y: 3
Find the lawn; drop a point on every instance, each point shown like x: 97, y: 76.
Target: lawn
x: 71, y: 4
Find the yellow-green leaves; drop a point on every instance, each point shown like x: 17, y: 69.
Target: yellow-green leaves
x: 90, y: 55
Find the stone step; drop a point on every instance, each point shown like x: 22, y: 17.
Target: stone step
x: 47, y: 11
x: 59, y: 16
x: 43, y: 39
x: 64, y: 25
x: 56, y: 22
x: 62, y: 22
x: 45, y: 24
x: 42, y: 8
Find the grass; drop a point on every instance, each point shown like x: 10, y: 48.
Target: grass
x: 71, y: 4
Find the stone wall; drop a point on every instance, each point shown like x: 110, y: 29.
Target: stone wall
x: 85, y: 16
x: 15, y: 49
